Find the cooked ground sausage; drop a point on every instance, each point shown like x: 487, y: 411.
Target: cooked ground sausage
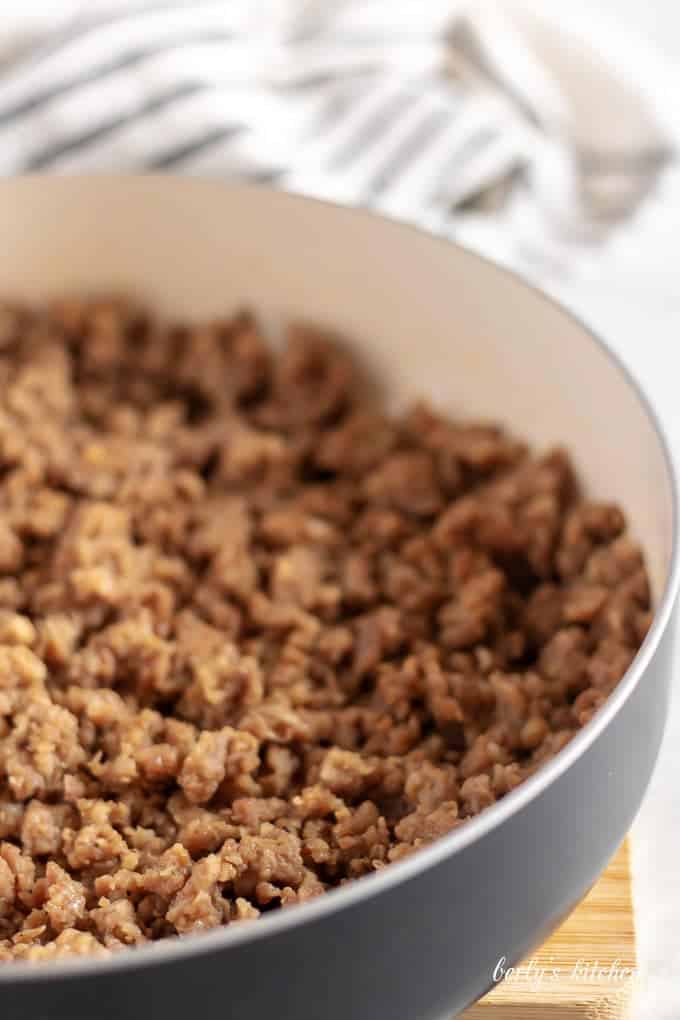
x: 258, y: 638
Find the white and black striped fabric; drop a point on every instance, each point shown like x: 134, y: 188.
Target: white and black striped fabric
x: 351, y: 101
x: 361, y: 101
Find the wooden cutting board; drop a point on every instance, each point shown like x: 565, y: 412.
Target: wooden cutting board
x: 588, y: 963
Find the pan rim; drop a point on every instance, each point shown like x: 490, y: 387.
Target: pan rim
x: 398, y: 872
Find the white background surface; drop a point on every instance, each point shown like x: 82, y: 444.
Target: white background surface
x: 656, y: 20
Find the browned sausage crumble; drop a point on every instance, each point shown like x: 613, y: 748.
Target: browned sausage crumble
x: 257, y: 638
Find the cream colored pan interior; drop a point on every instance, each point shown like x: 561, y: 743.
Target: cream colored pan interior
x: 430, y: 319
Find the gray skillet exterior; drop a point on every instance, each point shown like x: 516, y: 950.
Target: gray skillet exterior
x: 420, y: 940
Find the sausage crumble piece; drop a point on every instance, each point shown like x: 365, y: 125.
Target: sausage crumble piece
x: 258, y: 638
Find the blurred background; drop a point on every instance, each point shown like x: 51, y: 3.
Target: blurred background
x: 544, y: 134
x: 541, y: 133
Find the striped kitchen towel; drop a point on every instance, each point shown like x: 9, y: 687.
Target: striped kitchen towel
x: 441, y: 112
